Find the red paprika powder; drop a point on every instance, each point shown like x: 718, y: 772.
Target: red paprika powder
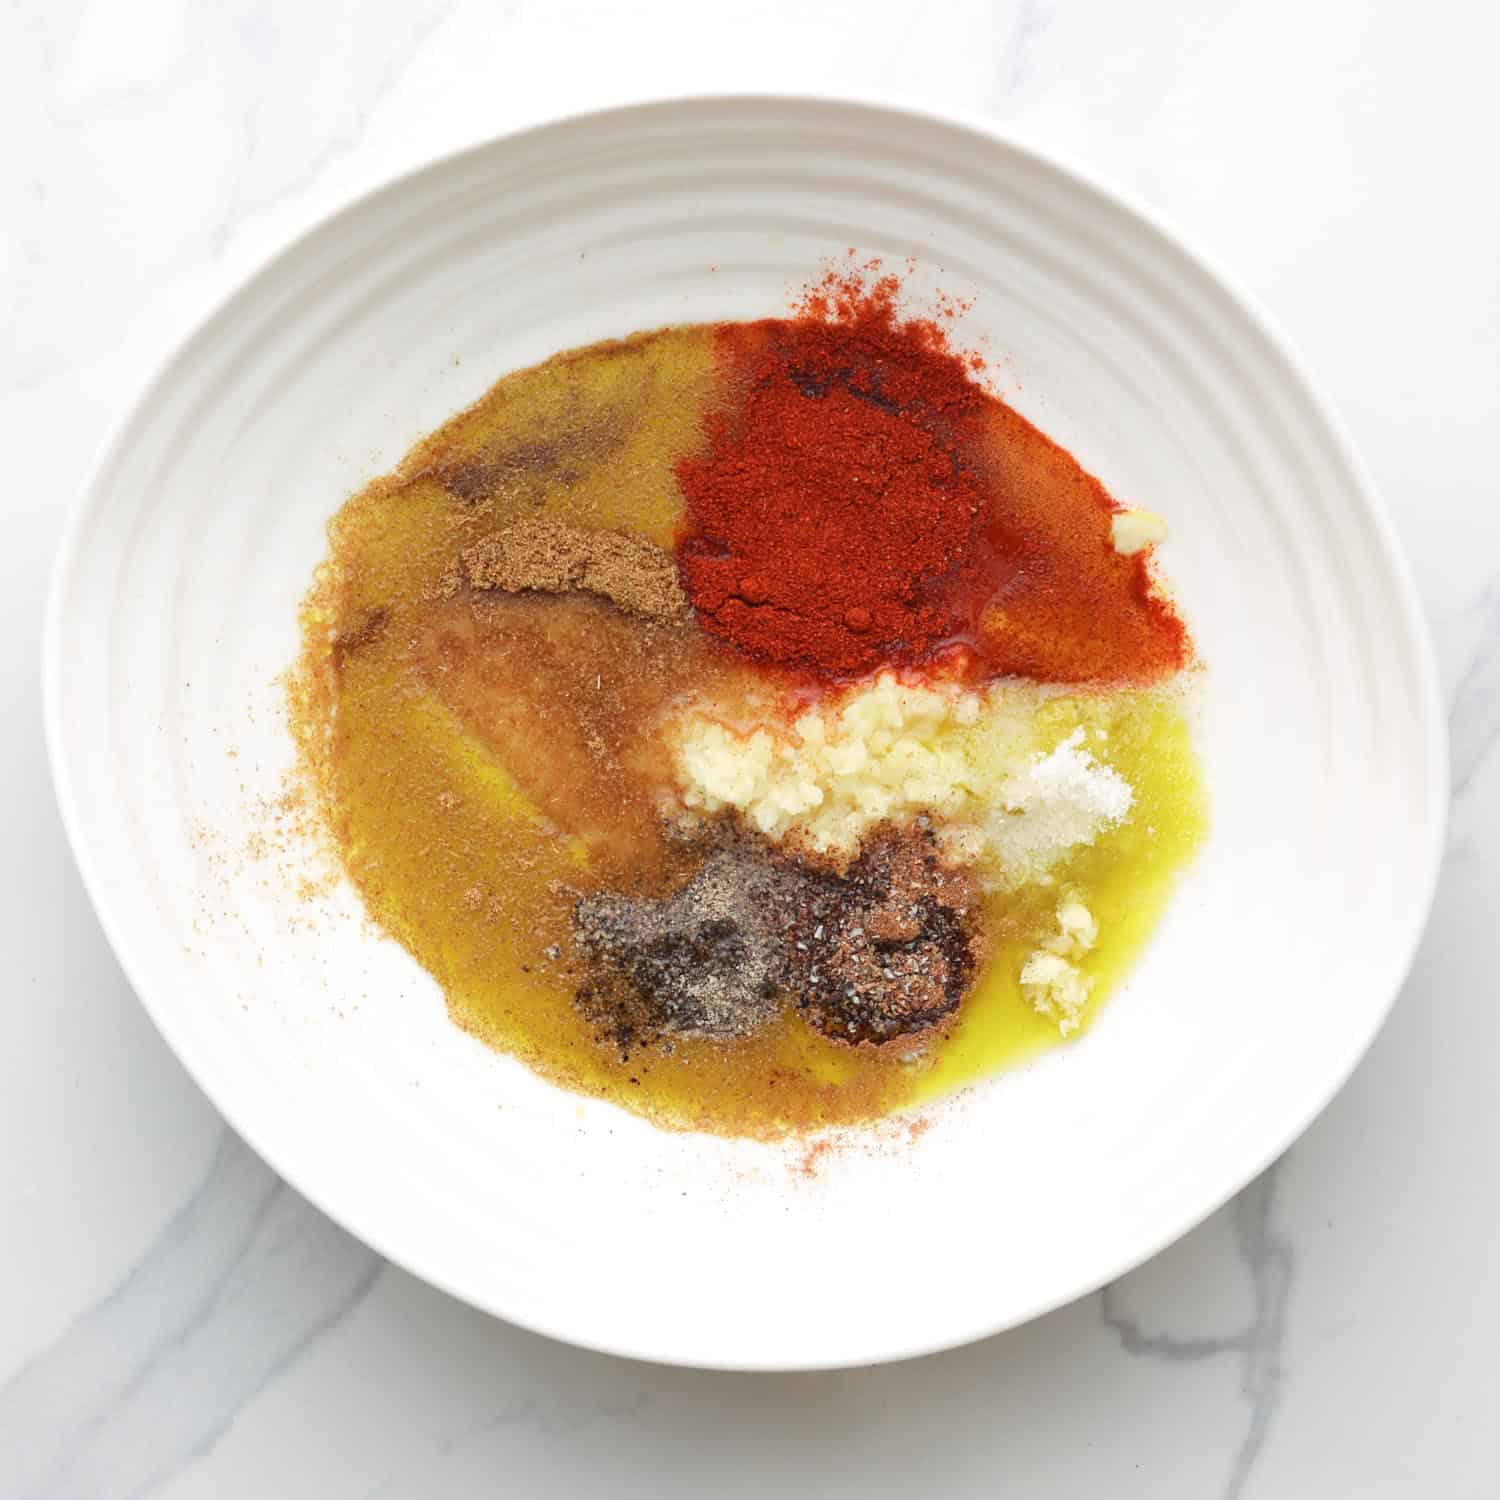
x: 863, y: 501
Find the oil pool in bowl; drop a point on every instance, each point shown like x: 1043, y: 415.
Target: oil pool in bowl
x: 760, y: 725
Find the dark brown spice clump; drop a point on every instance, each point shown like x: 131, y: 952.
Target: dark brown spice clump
x: 888, y: 949
x: 884, y: 951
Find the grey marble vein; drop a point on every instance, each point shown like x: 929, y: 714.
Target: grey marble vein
x: 238, y: 1285
x: 1018, y: 54
x: 238, y: 210
x: 548, y: 1409
x: 1474, y: 724
x: 1268, y: 1261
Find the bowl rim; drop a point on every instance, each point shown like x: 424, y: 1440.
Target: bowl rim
x: 1412, y: 622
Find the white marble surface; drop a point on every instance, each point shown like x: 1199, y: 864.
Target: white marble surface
x: 175, y: 1322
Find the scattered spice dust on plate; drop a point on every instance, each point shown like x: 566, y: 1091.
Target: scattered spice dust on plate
x: 760, y: 725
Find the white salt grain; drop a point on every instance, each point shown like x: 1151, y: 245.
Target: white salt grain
x: 1060, y: 801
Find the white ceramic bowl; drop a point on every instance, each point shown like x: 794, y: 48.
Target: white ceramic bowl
x: 174, y: 607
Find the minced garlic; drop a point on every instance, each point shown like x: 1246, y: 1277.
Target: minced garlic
x: 887, y: 752
x: 1132, y: 531
x: 1050, y: 980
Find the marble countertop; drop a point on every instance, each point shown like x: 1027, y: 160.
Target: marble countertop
x: 176, y: 1322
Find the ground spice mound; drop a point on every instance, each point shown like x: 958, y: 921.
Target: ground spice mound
x: 889, y: 949
x: 707, y: 961
x: 862, y: 501
x: 833, y: 504
x: 548, y: 557
x: 883, y: 951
